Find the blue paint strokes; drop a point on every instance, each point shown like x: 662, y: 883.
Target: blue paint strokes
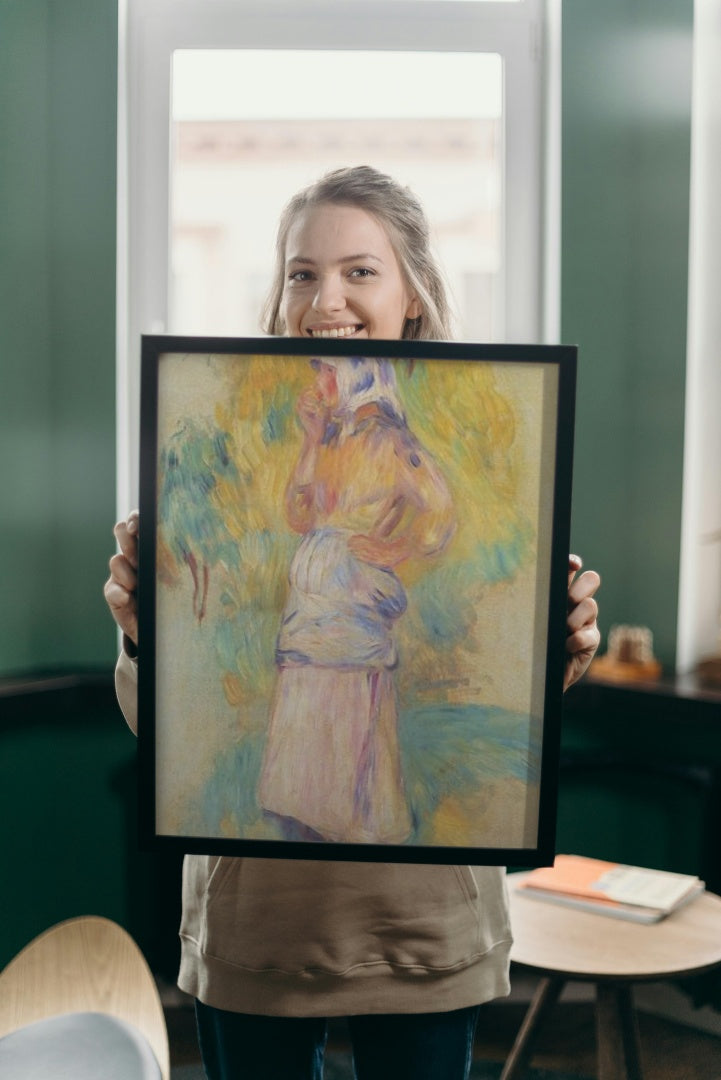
x: 220, y: 449
x: 387, y: 410
x: 501, y: 560
x: 291, y: 657
x: 386, y: 373
x: 244, y: 642
x: 364, y: 382
x: 389, y: 605
x: 454, y: 751
x: 196, y: 457
x: 505, y: 738
x: 279, y: 415
x: 331, y: 432
x: 230, y: 794
x: 273, y: 427
x: 446, y: 604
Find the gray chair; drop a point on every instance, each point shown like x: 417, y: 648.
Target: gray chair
x: 80, y: 1002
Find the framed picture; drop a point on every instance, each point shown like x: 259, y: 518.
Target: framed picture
x: 352, y: 597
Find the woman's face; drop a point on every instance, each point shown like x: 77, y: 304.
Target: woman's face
x: 342, y: 277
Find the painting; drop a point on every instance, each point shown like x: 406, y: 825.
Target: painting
x: 352, y: 597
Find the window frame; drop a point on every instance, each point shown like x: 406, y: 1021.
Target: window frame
x: 526, y: 34
x: 699, y: 595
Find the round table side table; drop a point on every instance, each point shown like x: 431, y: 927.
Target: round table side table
x: 564, y: 944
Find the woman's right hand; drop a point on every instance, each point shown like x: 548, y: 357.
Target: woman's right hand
x: 313, y: 413
x: 121, y: 587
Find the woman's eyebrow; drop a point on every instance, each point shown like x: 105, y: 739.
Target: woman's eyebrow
x: 363, y: 256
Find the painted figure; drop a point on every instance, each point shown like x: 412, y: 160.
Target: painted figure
x: 365, y: 496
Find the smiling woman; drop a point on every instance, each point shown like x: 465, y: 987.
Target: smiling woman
x: 353, y: 259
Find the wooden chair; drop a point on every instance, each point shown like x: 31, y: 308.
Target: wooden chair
x: 70, y: 981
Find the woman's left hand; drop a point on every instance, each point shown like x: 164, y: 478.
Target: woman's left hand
x: 379, y: 552
x: 583, y: 635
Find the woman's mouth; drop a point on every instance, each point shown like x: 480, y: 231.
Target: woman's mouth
x: 334, y: 331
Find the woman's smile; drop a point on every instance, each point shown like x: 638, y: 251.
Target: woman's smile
x: 334, y: 331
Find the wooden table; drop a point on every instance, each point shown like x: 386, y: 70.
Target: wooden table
x: 563, y: 944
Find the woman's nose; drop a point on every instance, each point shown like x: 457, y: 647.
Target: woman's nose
x: 329, y: 296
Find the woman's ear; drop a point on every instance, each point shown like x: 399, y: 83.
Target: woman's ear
x: 415, y: 309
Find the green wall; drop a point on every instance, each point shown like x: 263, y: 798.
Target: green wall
x: 626, y: 137
x: 69, y: 807
x: 67, y: 772
x: 58, y: 73
x: 626, y: 126
x: 626, y: 146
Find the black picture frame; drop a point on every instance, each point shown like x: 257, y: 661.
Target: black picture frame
x: 457, y: 462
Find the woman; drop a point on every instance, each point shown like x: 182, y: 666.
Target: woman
x: 272, y: 948
x: 365, y: 496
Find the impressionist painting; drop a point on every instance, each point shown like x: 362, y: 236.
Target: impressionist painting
x: 352, y: 560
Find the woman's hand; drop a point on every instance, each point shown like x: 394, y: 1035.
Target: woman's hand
x: 313, y: 413
x: 379, y: 552
x: 583, y: 635
x: 121, y: 587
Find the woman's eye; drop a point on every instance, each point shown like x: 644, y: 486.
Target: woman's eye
x: 362, y: 272
x: 300, y: 276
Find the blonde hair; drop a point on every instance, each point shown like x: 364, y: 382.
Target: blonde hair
x: 403, y: 217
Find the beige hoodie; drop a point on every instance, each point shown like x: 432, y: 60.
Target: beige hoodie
x: 285, y: 937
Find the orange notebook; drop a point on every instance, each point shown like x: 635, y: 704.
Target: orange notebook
x: 631, y: 892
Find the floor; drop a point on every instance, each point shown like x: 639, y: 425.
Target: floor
x: 669, y: 1050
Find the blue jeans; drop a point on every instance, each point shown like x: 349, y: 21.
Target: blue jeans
x: 413, y: 1046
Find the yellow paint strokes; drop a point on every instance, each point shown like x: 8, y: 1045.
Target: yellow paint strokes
x: 256, y: 379
x: 256, y: 385
x: 234, y: 690
x: 471, y: 428
x: 228, y: 827
x: 461, y: 416
x: 168, y: 569
x: 451, y: 825
x: 502, y: 814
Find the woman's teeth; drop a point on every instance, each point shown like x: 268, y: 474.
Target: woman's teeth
x: 337, y: 331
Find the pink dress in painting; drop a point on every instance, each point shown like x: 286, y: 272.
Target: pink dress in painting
x: 366, y: 496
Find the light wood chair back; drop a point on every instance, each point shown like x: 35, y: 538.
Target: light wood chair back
x: 87, y: 964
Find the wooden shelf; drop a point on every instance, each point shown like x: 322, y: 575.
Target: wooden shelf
x: 681, y: 696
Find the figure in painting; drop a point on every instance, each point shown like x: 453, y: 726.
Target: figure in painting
x: 365, y: 496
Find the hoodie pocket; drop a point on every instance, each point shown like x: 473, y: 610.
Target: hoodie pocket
x: 295, y: 916
x: 469, y: 886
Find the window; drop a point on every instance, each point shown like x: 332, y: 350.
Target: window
x: 235, y: 160
x: 231, y: 104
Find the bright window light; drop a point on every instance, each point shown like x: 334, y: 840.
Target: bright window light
x: 239, y: 154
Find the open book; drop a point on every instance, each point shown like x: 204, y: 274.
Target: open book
x: 608, y: 888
